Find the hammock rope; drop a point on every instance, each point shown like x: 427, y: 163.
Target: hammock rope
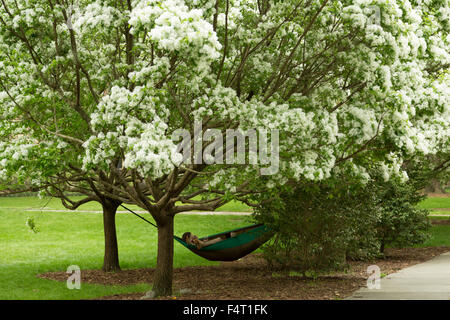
x: 137, y: 215
x: 246, y: 240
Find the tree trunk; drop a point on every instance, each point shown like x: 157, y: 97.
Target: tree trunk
x: 382, y: 246
x: 162, y: 284
x: 435, y: 187
x: 111, y: 257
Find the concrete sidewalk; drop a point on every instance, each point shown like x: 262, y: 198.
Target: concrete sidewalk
x: 425, y: 281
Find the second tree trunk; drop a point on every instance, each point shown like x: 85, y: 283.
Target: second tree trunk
x: 111, y: 257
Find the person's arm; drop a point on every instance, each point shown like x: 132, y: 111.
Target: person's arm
x: 204, y: 243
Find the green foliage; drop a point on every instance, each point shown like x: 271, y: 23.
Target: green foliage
x: 316, y: 226
x: 402, y: 223
x: 32, y: 224
x: 320, y: 227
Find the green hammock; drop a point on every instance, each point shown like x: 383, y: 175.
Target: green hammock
x: 247, y: 240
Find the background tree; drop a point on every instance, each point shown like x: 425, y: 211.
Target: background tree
x: 333, y: 77
x: 43, y: 122
x: 64, y: 185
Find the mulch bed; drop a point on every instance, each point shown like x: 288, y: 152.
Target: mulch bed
x: 250, y: 279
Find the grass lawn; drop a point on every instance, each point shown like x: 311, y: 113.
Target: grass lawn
x: 234, y: 206
x: 76, y: 238
x: 435, y: 203
x: 55, y: 204
x: 440, y: 234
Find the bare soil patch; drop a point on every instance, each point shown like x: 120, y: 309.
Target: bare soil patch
x: 438, y: 195
x: 250, y: 279
x: 443, y: 222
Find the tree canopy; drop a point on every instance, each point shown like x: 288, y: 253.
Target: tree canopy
x: 92, y: 93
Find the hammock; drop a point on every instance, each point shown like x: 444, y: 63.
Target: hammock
x: 247, y: 240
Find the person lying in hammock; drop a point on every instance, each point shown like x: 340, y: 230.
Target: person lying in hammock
x: 192, y: 239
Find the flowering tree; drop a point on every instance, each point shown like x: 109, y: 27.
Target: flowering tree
x: 42, y: 141
x: 95, y: 92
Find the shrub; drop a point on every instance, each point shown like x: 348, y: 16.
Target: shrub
x: 402, y: 223
x: 315, y: 227
x: 319, y: 227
